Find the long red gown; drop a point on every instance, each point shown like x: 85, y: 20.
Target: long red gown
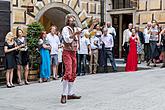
x: 132, y: 59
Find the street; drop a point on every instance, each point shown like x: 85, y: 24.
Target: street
x: 141, y: 90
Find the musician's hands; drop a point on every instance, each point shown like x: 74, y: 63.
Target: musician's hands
x: 75, y: 33
x: 78, y: 32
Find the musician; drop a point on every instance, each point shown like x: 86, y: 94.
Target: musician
x: 70, y: 34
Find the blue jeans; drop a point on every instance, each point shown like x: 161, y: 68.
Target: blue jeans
x: 109, y: 55
x: 82, y: 68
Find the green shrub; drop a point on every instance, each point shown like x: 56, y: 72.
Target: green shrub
x: 33, y: 33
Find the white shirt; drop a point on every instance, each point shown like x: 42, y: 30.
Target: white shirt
x: 92, y: 40
x: 84, y: 42
x: 108, y: 41
x: 66, y: 34
x: 112, y: 30
x: 54, y: 42
x: 154, y: 34
x: 146, y: 35
x: 22, y: 39
x: 83, y: 32
x: 126, y: 35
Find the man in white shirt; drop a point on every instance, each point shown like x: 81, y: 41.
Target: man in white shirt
x: 54, y: 42
x: 107, y: 39
x: 112, y: 31
x: 70, y: 34
x: 147, y: 33
x: 83, y: 52
x: 126, y: 35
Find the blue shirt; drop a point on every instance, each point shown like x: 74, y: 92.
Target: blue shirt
x: 94, y: 39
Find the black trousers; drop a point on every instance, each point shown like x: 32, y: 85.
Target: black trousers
x: 147, y: 52
x: 126, y: 48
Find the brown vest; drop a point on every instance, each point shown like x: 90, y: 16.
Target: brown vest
x: 74, y: 44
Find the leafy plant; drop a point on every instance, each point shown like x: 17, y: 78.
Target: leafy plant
x: 33, y: 32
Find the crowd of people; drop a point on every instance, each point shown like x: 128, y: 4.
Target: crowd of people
x: 75, y: 51
x: 150, y: 42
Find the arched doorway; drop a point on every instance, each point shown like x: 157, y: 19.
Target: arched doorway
x: 54, y: 14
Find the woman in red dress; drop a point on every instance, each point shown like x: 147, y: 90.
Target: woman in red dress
x: 132, y: 59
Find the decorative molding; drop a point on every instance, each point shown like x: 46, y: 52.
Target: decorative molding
x: 153, y: 17
x: 160, y: 8
x: 77, y: 3
x: 84, y: 20
x: 43, y: 2
x: 30, y: 14
x: 146, y: 3
x: 24, y: 20
x: 138, y: 19
x: 93, y: 12
x: 16, y: 5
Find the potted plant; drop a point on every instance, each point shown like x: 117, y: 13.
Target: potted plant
x: 33, y: 32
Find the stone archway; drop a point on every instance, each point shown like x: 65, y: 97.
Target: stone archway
x: 54, y: 13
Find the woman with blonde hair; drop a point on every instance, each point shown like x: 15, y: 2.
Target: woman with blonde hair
x: 9, y: 49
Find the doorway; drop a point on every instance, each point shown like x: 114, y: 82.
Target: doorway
x: 120, y: 23
x: 54, y: 14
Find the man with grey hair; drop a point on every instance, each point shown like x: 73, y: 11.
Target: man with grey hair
x: 112, y: 31
x: 126, y: 35
x: 147, y: 33
x: 107, y: 39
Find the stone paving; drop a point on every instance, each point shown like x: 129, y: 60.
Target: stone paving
x: 141, y: 90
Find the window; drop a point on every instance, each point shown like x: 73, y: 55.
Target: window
x: 118, y: 4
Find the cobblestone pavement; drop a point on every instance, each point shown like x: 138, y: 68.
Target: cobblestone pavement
x: 141, y: 90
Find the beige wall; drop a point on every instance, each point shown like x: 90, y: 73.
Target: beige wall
x: 149, y: 10
x: 146, y: 10
x: 84, y: 10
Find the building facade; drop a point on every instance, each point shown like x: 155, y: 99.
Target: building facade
x: 50, y: 12
x: 138, y: 12
x: 19, y: 13
x: 14, y: 13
